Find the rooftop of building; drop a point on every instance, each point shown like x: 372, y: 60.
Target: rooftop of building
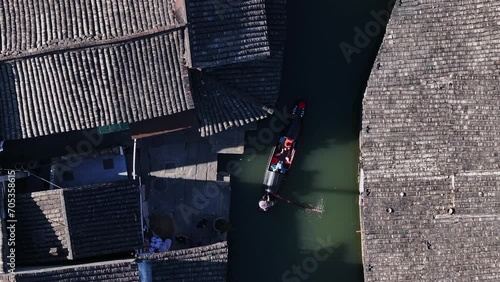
x: 430, y: 162
x: 75, y: 66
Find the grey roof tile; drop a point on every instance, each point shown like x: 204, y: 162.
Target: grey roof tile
x: 41, y: 26
x: 206, y: 263
x: 220, y: 107
x: 226, y: 31
x: 96, y: 63
x: 431, y: 130
x: 103, y: 219
x: 42, y: 228
x: 261, y: 79
x: 80, y: 222
x: 114, y: 271
x: 77, y: 90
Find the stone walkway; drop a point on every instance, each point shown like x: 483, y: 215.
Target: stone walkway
x: 179, y: 173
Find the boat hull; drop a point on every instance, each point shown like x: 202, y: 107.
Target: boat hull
x: 273, y: 181
x: 281, y: 158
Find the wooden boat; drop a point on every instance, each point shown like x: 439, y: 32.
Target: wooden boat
x: 282, y: 156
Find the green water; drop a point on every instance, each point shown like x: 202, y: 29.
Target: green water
x: 266, y: 246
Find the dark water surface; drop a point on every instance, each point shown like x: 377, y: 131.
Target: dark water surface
x: 290, y: 244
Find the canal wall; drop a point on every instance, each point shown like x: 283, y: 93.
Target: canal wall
x: 430, y: 141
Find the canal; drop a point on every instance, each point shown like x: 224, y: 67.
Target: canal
x: 290, y: 244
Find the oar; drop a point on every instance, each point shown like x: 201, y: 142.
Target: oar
x: 304, y: 206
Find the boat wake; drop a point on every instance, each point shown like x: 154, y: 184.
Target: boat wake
x: 319, y: 208
x: 321, y: 204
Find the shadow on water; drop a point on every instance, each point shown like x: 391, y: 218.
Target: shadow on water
x: 315, y: 66
x: 266, y: 245
x: 326, y: 261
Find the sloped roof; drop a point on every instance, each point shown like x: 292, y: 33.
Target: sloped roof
x: 226, y: 31
x: 430, y: 143
x: 238, y: 94
x: 112, y: 271
x: 261, y: 79
x: 206, y: 263
x: 42, y: 227
x: 103, y: 218
x: 220, y: 107
x: 221, y: 32
x: 77, y: 90
x: 73, y: 223
x: 45, y: 25
x: 78, y: 65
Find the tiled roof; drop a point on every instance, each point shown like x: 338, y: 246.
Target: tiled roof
x: 238, y: 94
x: 220, y: 107
x: 261, y: 79
x: 70, y: 65
x: 221, y: 32
x: 114, y: 271
x: 42, y: 230
x: 430, y: 145
x: 226, y: 31
x: 103, y: 218
x: 73, y: 223
x: 77, y: 90
x: 206, y: 263
x: 45, y: 25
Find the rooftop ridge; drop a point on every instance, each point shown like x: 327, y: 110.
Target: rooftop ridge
x: 60, y: 48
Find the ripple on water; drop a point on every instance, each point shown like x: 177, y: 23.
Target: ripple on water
x: 312, y: 217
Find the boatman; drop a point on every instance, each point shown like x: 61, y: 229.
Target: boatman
x: 266, y: 203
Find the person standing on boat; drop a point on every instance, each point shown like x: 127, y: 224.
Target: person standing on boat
x: 266, y: 202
